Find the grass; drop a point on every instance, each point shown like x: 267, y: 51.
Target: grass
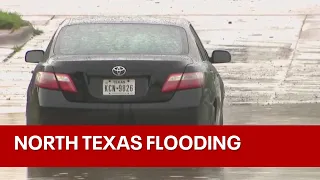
x: 11, y: 21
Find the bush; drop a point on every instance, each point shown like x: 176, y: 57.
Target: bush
x: 12, y: 21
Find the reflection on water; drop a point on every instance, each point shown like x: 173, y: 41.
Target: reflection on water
x: 160, y: 173
x: 175, y: 173
x: 126, y: 173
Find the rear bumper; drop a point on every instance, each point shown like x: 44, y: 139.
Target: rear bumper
x: 62, y: 116
x: 185, y: 108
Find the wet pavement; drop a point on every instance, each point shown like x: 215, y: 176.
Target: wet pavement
x: 162, y: 7
x: 281, y: 114
x: 275, y: 59
x: 264, y: 70
x: 168, y: 174
x: 192, y: 174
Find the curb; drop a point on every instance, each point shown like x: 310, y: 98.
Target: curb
x: 180, y: 14
x: 16, y: 38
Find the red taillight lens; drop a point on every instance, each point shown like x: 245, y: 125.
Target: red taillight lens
x: 46, y: 80
x: 66, y: 83
x: 183, y: 81
x: 49, y: 80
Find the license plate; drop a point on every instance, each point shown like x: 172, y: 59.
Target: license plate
x: 116, y: 87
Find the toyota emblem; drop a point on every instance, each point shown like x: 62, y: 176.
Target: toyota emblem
x: 119, y: 71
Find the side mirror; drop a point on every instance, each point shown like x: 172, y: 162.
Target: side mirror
x: 220, y: 56
x: 34, y: 56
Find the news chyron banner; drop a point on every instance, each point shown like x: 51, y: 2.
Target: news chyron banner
x: 159, y: 146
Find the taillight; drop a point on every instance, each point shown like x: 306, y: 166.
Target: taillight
x: 49, y: 80
x: 183, y: 81
x: 46, y: 80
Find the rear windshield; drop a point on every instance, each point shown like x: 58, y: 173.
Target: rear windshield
x: 95, y: 39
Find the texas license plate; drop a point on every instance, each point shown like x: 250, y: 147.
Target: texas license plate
x: 119, y: 87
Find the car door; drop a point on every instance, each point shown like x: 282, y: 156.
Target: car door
x: 215, y: 83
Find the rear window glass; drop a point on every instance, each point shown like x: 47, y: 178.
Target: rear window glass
x: 86, y: 39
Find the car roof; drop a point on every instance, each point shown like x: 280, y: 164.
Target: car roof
x: 127, y: 19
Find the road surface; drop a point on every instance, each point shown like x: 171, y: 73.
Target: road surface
x: 275, y: 59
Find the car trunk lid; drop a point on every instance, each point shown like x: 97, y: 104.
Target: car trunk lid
x: 97, y: 80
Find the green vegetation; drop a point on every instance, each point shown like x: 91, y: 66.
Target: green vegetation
x: 11, y: 21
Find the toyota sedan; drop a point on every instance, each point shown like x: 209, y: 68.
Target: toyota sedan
x: 125, y: 71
